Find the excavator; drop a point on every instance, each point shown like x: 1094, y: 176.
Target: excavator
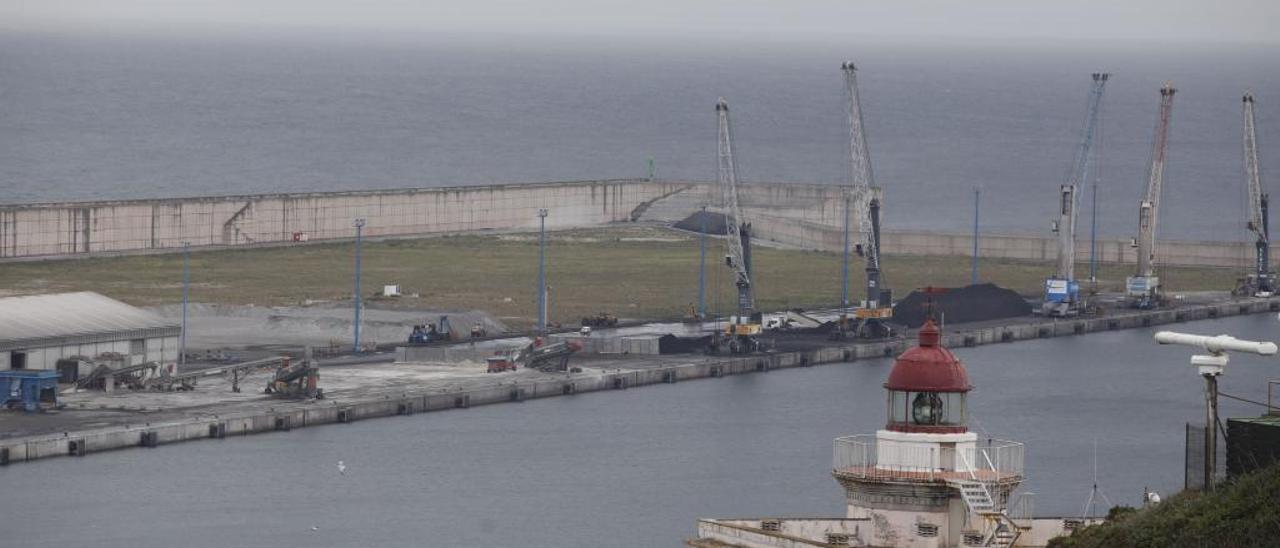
x: 296, y: 380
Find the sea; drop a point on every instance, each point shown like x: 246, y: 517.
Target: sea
x: 102, y: 116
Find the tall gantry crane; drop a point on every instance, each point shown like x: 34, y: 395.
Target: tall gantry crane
x: 1261, y: 282
x: 1062, y: 291
x: 1143, y: 290
x: 745, y: 326
x: 862, y: 202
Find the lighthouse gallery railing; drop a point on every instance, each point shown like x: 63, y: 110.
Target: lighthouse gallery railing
x: 985, y: 460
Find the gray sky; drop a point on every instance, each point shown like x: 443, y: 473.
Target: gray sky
x: 1142, y: 20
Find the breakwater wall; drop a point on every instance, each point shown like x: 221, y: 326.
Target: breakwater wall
x: 286, y: 416
x: 803, y: 215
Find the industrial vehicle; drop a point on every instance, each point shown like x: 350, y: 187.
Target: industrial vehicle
x: 1143, y: 290
x: 296, y: 380
x: 602, y: 319
x: 536, y: 355
x: 740, y: 334
x: 1262, y: 281
x: 871, y: 315
x: 432, y: 332
x: 1062, y: 291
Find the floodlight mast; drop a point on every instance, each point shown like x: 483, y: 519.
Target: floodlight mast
x: 1211, y: 366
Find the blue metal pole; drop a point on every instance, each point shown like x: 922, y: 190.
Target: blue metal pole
x: 702, y: 266
x: 844, y: 279
x: 977, y: 194
x: 186, y: 298
x: 1093, y: 237
x: 542, y: 271
x: 359, y: 224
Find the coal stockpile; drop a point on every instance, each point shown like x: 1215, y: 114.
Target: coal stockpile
x: 671, y: 344
x: 693, y: 223
x: 972, y: 303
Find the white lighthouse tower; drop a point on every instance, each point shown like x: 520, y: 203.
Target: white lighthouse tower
x: 925, y: 480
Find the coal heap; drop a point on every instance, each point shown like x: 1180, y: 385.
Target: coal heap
x: 693, y: 223
x: 671, y: 344
x: 974, y: 303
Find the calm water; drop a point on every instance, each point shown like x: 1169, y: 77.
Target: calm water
x: 631, y: 468
x: 92, y: 117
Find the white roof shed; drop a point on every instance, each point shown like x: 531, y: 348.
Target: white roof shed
x: 39, y: 321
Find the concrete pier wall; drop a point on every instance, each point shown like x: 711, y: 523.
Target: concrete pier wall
x: 289, y: 415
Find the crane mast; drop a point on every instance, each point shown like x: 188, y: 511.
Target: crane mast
x: 1143, y: 289
x: 1262, y: 282
x: 860, y: 198
x: 737, y: 230
x: 1062, y: 291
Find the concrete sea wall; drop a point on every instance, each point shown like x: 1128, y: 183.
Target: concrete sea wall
x: 804, y: 215
x: 287, y: 416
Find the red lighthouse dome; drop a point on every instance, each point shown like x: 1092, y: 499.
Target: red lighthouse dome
x: 927, y: 387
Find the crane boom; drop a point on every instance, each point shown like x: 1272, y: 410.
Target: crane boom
x: 860, y: 196
x: 737, y: 230
x: 1062, y: 291
x: 1143, y: 289
x: 1262, y: 282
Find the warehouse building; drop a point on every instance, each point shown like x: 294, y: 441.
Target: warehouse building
x: 38, y: 330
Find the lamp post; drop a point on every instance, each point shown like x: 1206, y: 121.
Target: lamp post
x: 542, y: 270
x: 977, y: 196
x: 844, y: 265
x: 359, y: 224
x: 702, y: 266
x: 186, y: 297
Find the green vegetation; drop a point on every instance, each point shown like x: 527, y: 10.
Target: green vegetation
x: 1244, y: 512
x: 634, y: 272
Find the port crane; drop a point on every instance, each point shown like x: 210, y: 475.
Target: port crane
x: 1143, y: 290
x: 860, y: 200
x: 740, y: 335
x: 1062, y: 291
x: 1261, y: 282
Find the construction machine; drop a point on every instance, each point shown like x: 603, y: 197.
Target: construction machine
x: 741, y: 334
x: 870, y: 317
x: 536, y: 355
x: 1062, y: 291
x: 1262, y: 281
x: 296, y: 380
x: 1143, y: 290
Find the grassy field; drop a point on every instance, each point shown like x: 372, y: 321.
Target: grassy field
x: 634, y: 272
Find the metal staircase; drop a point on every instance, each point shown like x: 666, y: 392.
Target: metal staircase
x: 1001, y: 531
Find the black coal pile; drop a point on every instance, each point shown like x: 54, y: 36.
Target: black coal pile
x: 974, y: 303
x: 671, y: 344
x: 693, y: 223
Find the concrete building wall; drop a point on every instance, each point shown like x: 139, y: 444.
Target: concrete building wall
x: 155, y: 349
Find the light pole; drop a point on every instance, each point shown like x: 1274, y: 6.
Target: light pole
x: 359, y: 224
x: 702, y: 266
x: 542, y: 271
x: 844, y: 267
x: 977, y: 197
x: 186, y: 297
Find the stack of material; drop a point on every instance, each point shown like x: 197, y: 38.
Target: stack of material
x: 974, y: 303
x: 693, y: 223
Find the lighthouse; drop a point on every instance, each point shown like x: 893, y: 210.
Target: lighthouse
x: 925, y: 480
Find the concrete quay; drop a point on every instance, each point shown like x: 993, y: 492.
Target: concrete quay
x: 95, y: 422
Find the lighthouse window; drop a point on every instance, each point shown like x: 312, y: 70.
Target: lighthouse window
x: 933, y: 409
x: 926, y: 408
x: 897, y: 406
